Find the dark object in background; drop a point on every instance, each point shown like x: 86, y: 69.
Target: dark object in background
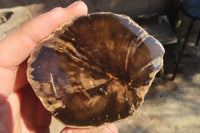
x: 191, y: 8
x: 95, y: 69
x: 4, y: 16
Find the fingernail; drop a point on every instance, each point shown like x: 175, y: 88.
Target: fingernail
x: 79, y: 5
x: 111, y: 128
x: 107, y: 130
x: 75, y: 4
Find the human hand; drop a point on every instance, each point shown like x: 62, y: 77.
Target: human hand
x: 20, y: 110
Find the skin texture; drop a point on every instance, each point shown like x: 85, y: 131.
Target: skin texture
x: 20, y: 110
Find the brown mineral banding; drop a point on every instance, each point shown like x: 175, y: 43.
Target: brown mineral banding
x: 94, y: 69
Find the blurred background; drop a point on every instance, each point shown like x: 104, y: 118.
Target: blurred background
x: 173, y: 103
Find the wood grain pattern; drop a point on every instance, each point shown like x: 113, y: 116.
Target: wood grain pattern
x: 95, y: 69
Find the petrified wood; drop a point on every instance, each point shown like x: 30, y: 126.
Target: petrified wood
x: 94, y: 69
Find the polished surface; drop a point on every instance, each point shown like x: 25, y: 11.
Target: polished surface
x: 95, y: 69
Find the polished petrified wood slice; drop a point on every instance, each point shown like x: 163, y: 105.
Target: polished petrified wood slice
x: 94, y: 69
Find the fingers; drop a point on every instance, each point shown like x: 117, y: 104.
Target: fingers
x: 35, y: 116
x: 112, y: 128
x: 17, y: 47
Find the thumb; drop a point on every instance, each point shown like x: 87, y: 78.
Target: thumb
x: 111, y: 128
